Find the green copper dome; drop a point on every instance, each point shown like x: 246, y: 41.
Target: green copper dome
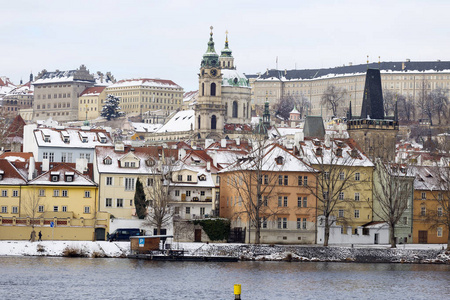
x: 210, y: 58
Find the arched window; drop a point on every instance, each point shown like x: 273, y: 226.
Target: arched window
x: 203, y: 89
x: 213, y: 122
x: 213, y: 89
x: 199, y: 118
x: 235, y: 109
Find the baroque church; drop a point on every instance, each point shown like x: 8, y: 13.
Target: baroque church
x: 224, y: 98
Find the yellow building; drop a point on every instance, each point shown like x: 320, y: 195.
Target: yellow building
x: 60, y: 203
x: 138, y: 96
x: 90, y: 102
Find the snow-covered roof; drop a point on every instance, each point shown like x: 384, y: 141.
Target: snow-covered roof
x: 182, y: 121
x: 9, y: 174
x: 189, y: 96
x: 75, y: 136
x: 207, y: 183
x: 145, y: 127
x: 62, y: 171
x: 92, y: 91
x: 145, y: 82
x: 234, y: 78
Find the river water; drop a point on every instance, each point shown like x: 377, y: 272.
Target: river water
x: 114, y: 278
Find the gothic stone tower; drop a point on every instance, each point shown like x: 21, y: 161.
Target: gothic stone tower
x: 209, y: 110
x: 374, y: 133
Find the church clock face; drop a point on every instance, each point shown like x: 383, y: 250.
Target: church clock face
x: 213, y: 72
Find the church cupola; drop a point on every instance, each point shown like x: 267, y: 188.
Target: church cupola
x: 226, y: 57
x: 210, y: 58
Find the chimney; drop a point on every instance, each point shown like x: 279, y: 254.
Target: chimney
x: 81, y: 165
x: 208, y: 166
x: 238, y: 141
x: 208, y: 142
x: 223, y: 143
x: 213, y: 155
x: 45, y: 165
x: 31, y: 168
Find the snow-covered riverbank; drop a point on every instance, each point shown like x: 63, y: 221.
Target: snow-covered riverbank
x: 379, y: 253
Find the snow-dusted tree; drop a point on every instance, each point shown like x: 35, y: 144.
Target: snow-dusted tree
x: 392, y: 194
x: 339, y: 167
x: 253, y: 180
x: 333, y: 98
x: 440, y: 102
x: 286, y: 104
x: 111, y: 109
x: 159, y: 170
x: 389, y: 99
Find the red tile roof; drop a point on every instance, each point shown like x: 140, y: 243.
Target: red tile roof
x: 93, y: 90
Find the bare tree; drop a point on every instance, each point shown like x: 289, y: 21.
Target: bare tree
x: 439, y: 101
x: 30, y: 204
x: 405, y: 108
x: 389, y: 99
x: 160, y: 211
x: 253, y: 179
x: 286, y: 104
x: 335, y: 162
x: 392, y: 194
x: 425, y: 103
x: 333, y: 97
x: 440, y: 187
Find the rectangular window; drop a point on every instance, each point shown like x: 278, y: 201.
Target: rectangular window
x: 341, y: 196
x: 4, y: 193
x: 4, y: 209
x: 64, y: 208
x: 280, y: 179
x: 119, y: 202
x: 15, y: 193
x: 41, y: 193
x: 266, y: 181
x: 266, y: 200
x: 188, y: 210
x: 51, y: 157
x: 280, y: 201
x: 299, y: 201
x: 65, y: 193
x: 189, y: 178
x: 423, y: 211
x: 87, y: 209
x: 299, y: 223
x: 88, y: 157
x: 341, y: 175
x: 188, y: 193
x: 150, y: 181
x: 202, y: 211
x: 286, y: 180
x: 405, y: 220
x: 304, y: 223
x: 284, y: 223
x: 424, y: 196
x: 87, y: 194
x: 129, y: 184
x: 108, y: 202
x: 202, y: 193
x: 41, y: 208
x: 439, y: 211
x: 326, y: 175
x: 264, y: 222
x: 55, y: 193
x: 439, y: 231
x: 356, y: 213
x: 300, y: 180
x: 180, y: 177
x: 15, y: 209
x: 341, y: 213
x: 177, y: 193
x: 357, y: 176
x: 305, y: 180
x: 109, y: 180
x: 285, y: 201
x: 45, y: 155
x: 356, y: 196
x: 55, y: 208
x: 305, y: 201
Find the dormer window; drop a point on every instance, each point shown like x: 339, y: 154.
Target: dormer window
x: 69, y: 176
x: 354, y: 153
x: 130, y: 164
x: 107, y: 161
x: 279, y: 160
x: 319, y: 151
x: 102, y: 137
x: 65, y: 137
x: 1, y: 174
x: 339, y: 143
x: 150, y: 162
x: 54, y: 176
x: 46, y: 137
x: 83, y: 137
x: 316, y: 142
x: 202, y: 177
x: 339, y: 152
x: 180, y: 177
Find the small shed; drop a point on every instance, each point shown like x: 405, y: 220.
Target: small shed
x: 145, y: 244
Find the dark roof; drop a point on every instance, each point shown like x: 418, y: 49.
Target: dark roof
x: 372, y: 105
x: 397, y: 66
x: 314, y: 127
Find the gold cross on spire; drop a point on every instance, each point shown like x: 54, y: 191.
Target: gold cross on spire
x: 226, y: 34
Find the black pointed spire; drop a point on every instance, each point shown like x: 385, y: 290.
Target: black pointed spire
x: 349, y: 112
x: 372, y: 105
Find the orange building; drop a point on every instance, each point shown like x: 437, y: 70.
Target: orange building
x: 428, y: 207
x: 286, y: 207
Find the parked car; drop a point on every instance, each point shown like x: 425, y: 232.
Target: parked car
x: 123, y: 234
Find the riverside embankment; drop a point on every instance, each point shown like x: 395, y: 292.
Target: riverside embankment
x: 366, y: 254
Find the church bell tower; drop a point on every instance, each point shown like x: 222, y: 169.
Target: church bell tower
x: 209, y: 110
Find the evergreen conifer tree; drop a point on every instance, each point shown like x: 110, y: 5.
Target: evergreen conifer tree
x: 111, y: 109
x: 139, y: 200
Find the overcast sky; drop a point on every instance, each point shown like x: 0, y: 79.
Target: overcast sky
x: 166, y: 39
